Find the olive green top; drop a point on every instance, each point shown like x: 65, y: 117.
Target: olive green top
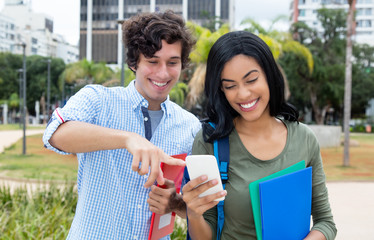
x: 244, y: 168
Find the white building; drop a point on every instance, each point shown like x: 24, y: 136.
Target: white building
x: 18, y: 23
x: 69, y: 53
x: 306, y: 11
x: 7, y: 33
x: 370, y: 110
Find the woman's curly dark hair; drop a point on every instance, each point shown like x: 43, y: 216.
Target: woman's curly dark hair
x: 143, y: 34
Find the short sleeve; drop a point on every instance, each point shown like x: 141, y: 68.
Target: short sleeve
x: 84, y: 106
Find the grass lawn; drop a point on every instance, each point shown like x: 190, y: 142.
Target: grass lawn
x: 8, y: 127
x: 40, y: 163
x: 361, y: 160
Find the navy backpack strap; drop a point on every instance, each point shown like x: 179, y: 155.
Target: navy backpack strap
x: 222, y: 153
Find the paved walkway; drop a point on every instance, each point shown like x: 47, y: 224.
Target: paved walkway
x: 7, y: 138
x: 352, y: 203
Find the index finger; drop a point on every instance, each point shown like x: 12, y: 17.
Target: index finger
x: 173, y: 161
x: 155, y: 173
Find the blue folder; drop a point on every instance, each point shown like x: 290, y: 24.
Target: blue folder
x: 286, y: 204
x: 254, y: 192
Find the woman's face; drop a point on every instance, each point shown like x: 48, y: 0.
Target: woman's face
x: 245, y: 87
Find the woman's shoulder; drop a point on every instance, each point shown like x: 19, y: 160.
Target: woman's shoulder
x: 199, y: 136
x: 301, y: 130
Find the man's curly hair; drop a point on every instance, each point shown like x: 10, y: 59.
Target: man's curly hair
x: 143, y: 34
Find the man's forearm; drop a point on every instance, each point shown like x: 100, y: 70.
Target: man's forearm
x: 179, y: 206
x: 78, y: 137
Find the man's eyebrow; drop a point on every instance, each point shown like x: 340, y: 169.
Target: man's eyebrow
x: 174, y: 57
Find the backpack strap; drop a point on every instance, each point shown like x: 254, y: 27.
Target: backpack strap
x: 222, y: 153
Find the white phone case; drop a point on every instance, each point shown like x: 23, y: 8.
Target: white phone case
x: 198, y: 165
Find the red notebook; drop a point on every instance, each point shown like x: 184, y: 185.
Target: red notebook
x: 162, y: 225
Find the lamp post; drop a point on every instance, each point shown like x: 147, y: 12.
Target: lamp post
x: 48, y: 87
x: 23, y: 91
x: 20, y: 71
x: 120, y: 22
x: 24, y: 107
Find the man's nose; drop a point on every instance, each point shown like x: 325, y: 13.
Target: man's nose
x: 162, y: 72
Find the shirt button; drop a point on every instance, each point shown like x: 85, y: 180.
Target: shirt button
x: 145, y: 119
x: 145, y: 176
x: 136, y: 237
x: 139, y: 206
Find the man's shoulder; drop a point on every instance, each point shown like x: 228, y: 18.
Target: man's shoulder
x: 178, y: 110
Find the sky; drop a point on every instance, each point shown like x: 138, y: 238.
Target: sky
x: 65, y: 14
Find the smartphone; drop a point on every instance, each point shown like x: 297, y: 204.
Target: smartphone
x: 198, y: 165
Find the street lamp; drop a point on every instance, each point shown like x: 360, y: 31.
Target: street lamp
x: 20, y: 71
x: 23, y: 91
x: 120, y: 21
x: 48, y: 87
x: 24, y: 107
x: 24, y: 99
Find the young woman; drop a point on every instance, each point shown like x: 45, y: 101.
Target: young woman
x: 245, y: 92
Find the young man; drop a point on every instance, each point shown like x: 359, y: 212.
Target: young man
x: 121, y: 134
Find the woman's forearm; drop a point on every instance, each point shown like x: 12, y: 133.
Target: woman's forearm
x: 199, y: 229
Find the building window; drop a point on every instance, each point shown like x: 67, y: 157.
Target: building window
x: 364, y: 23
x: 302, y: 13
x: 34, y: 41
x: 34, y: 50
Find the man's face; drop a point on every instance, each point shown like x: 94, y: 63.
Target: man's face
x: 156, y: 76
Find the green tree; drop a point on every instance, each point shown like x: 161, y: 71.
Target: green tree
x: 9, y: 76
x: 280, y: 43
x: 37, y: 80
x: 323, y: 89
x: 362, y: 79
x: 116, y: 81
x: 86, y: 72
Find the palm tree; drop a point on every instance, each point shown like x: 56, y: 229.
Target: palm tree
x: 87, y: 72
x: 205, y: 40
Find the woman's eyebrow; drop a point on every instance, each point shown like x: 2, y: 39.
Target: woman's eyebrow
x: 248, y: 73
x: 227, y: 80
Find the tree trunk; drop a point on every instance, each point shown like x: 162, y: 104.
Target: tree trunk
x: 316, y: 110
x: 348, y: 81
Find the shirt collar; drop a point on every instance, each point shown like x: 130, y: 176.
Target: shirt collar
x: 137, y: 100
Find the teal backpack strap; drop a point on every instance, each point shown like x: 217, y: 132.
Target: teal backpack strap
x: 222, y: 153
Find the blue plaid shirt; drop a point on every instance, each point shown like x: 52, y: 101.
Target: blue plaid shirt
x: 112, y: 202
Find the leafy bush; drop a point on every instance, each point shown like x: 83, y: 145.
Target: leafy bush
x: 45, y: 213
